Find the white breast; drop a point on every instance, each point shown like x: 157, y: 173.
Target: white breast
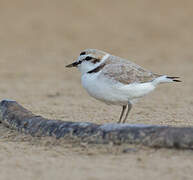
x: 95, y: 87
x: 112, y: 92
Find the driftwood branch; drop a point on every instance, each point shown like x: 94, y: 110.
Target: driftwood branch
x: 16, y: 117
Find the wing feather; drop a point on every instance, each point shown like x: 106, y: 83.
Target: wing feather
x: 126, y: 72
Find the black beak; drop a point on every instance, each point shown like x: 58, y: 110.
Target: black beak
x: 74, y: 64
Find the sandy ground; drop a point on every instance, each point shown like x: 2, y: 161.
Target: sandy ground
x: 38, y: 38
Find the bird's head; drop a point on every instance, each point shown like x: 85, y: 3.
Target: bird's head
x: 89, y: 59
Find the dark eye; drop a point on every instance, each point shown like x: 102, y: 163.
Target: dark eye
x: 82, y: 53
x: 88, y: 58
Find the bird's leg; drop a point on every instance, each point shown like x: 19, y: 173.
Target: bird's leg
x: 128, y: 110
x: 122, y: 112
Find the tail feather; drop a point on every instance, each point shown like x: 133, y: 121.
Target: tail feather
x: 165, y: 79
x: 175, y: 79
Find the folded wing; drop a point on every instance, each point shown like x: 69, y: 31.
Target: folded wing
x: 127, y: 73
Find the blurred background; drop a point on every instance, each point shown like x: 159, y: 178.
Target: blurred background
x: 38, y: 38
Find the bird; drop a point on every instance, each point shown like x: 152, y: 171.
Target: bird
x: 116, y: 81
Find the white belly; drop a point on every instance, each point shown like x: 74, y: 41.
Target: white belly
x: 111, y: 92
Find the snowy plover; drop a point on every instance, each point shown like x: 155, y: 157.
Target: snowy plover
x: 114, y: 80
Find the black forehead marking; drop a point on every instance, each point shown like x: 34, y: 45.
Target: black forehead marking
x: 82, y: 53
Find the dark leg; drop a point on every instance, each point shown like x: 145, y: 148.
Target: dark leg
x: 123, y: 110
x: 128, y: 110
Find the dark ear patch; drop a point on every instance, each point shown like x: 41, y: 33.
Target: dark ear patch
x: 88, y: 58
x: 96, y: 61
x: 82, y: 53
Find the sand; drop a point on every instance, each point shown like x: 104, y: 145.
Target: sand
x: 38, y: 38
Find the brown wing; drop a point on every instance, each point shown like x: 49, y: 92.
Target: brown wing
x: 127, y: 73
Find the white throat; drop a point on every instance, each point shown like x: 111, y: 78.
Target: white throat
x: 86, y: 66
